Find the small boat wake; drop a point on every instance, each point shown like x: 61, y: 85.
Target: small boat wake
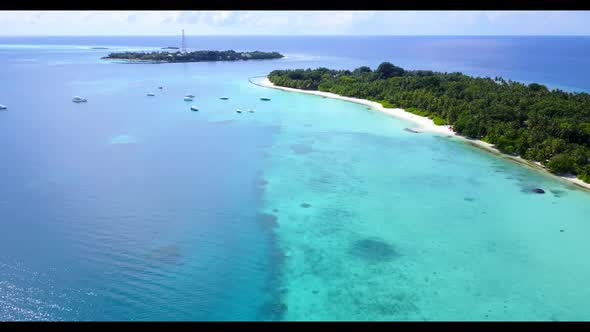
x: 124, y: 139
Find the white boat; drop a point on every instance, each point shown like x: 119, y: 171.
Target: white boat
x: 194, y: 108
x: 188, y: 99
x: 3, y: 107
x: 78, y: 99
x: 238, y: 111
x: 190, y: 96
x: 151, y: 94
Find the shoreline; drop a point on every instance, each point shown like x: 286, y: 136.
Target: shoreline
x: 113, y: 60
x: 427, y: 125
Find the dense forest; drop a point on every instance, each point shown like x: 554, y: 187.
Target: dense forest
x: 548, y: 126
x: 196, y: 56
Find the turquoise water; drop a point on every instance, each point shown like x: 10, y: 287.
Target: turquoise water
x: 131, y: 207
x: 404, y: 226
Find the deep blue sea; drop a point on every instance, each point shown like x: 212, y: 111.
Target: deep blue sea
x: 131, y: 207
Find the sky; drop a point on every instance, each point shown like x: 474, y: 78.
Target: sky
x: 45, y: 23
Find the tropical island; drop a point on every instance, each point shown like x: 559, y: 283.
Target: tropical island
x: 196, y: 56
x: 548, y: 127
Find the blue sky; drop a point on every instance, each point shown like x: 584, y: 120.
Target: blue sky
x: 295, y: 22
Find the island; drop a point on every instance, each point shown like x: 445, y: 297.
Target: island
x: 196, y: 56
x: 170, y: 48
x: 99, y: 48
x: 549, y: 128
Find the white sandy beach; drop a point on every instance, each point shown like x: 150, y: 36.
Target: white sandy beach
x: 424, y: 124
x: 427, y: 125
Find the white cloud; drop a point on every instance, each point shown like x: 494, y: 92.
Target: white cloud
x: 294, y: 22
x: 131, y: 18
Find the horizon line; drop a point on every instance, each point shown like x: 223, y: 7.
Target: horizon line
x: 306, y: 35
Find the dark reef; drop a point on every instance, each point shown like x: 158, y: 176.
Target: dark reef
x: 373, y: 250
x: 301, y: 148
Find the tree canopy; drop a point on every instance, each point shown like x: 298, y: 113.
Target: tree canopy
x: 548, y: 126
x: 387, y: 70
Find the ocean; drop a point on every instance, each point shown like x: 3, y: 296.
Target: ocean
x: 131, y: 207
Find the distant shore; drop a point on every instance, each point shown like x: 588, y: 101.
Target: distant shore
x: 134, y: 61
x: 426, y: 124
x: 194, y: 56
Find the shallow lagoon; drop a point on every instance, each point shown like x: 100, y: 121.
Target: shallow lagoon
x: 403, y: 226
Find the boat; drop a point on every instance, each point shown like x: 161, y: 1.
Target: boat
x: 238, y: 111
x: 78, y: 99
x: 3, y: 107
x: 160, y: 87
x: 251, y: 111
x: 224, y: 98
x: 188, y: 99
x: 190, y: 96
x: 151, y: 94
x: 194, y: 108
x: 264, y: 98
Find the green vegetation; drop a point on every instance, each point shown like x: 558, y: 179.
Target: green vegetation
x: 439, y: 121
x: 418, y: 111
x: 196, y: 56
x: 386, y: 104
x: 548, y: 126
x: 561, y: 164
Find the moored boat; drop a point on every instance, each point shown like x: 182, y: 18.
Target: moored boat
x: 188, y: 99
x: 151, y: 94
x: 224, y: 98
x: 264, y: 98
x: 194, y: 108
x: 78, y: 99
x: 3, y: 107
